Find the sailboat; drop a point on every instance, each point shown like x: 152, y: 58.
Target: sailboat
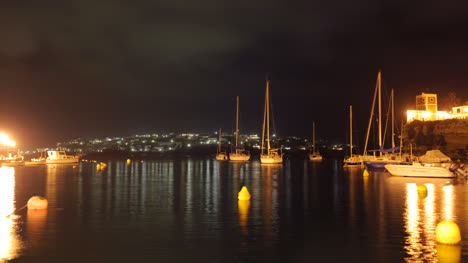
x: 352, y: 160
x: 268, y: 155
x: 314, y: 155
x: 379, y: 162
x: 239, y: 154
x: 220, y: 156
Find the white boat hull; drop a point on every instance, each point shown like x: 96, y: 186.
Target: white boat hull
x: 63, y: 161
x: 271, y: 158
x: 418, y: 171
x: 239, y: 157
x: 35, y: 162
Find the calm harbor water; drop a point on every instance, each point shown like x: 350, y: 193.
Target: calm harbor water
x: 187, y: 211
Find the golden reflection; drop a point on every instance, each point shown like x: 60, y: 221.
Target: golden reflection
x: 420, y: 224
x: 35, y: 226
x: 9, y: 241
x: 448, y: 202
x: 448, y: 253
x: 243, y: 206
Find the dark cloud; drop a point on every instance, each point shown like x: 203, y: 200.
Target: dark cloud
x: 82, y: 68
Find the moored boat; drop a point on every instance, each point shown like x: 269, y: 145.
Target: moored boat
x: 268, y: 154
x: 60, y: 157
x: 418, y: 170
x: 239, y: 154
x: 352, y: 160
x: 314, y: 155
x: 220, y: 155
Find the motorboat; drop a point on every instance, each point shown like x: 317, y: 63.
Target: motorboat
x: 418, y: 170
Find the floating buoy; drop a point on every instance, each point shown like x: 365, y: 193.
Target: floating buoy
x: 448, y: 253
x: 448, y: 232
x: 365, y: 173
x: 422, y: 191
x: 244, y: 194
x: 129, y: 161
x: 37, y: 202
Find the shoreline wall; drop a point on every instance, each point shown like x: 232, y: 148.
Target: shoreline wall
x: 448, y: 136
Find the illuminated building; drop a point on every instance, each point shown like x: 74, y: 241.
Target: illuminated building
x: 426, y: 110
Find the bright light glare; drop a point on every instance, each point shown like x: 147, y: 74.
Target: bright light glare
x: 5, y: 140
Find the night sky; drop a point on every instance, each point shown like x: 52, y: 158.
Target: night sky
x: 85, y: 68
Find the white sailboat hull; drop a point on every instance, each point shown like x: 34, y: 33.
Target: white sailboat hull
x: 239, y: 157
x: 418, y: 171
x: 271, y: 158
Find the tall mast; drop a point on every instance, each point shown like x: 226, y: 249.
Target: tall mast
x: 370, y: 121
x: 379, y: 85
x: 264, y: 117
x: 393, y: 118
x: 237, y: 122
x: 219, y: 141
x: 351, y: 130
x: 313, y: 137
x: 268, y: 115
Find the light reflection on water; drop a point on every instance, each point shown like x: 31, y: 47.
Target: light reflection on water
x: 10, y: 243
x: 181, y: 210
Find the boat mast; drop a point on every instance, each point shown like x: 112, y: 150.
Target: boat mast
x: 351, y: 130
x: 219, y: 141
x: 313, y: 137
x: 379, y: 85
x: 268, y: 116
x: 393, y: 118
x: 264, y: 117
x: 370, y: 121
x: 237, y: 122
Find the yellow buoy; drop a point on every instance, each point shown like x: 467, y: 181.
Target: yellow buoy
x: 366, y: 173
x: 244, y: 194
x: 448, y: 232
x: 129, y: 161
x: 37, y: 202
x: 422, y: 191
x: 448, y: 253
